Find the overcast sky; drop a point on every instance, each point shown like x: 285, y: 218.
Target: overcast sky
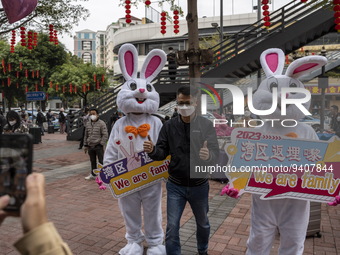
x: 104, y: 12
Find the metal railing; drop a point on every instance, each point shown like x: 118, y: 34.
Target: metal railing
x: 256, y: 32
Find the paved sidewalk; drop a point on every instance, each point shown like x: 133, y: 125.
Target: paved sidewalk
x: 89, y: 220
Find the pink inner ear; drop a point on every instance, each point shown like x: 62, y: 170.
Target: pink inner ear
x: 152, y: 66
x: 272, y: 60
x: 304, y: 67
x: 129, y: 64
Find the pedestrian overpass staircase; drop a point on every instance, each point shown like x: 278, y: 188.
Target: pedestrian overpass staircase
x: 292, y: 26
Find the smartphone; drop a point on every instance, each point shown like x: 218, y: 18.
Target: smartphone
x: 16, y: 153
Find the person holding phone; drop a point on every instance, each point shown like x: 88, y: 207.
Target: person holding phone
x: 14, y: 124
x: 40, y: 235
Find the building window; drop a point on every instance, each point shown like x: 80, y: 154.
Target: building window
x: 86, y: 45
x: 87, y: 57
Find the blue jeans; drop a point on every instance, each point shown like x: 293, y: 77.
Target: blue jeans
x: 177, y: 197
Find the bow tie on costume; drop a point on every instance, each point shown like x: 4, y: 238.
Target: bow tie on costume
x: 142, y: 130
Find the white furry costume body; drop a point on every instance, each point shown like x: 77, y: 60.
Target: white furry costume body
x: 289, y: 216
x: 138, y: 100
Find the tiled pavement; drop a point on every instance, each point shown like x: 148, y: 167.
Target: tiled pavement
x: 90, y: 222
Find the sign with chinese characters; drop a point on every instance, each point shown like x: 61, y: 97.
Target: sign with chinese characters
x: 332, y: 89
x: 284, y: 167
x: 134, y: 172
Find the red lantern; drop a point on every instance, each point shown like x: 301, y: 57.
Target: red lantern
x: 35, y: 39
x: 176, y: 22
x: 71, y: 90
x: 304, y: 1
x: 26, y: 73
x: 8, y: 81
x: 94, y: 77
x: 75, y: 89
x: 42, y: 81
x: 163, y: 19
x: 20, y: 65
x: 51, y: 84
x: 26, y: 89
x: 103, y: 78
x: 336, y: 9
x: 30, y: 40
x: 22, y: 35
x: 18, y: 74
x: 127, y: 11
x: 55, y: 38
x: 32, y: 74
x: 57, y: 87
x: 36, y: 87
x: 265, y: 13
x: 51, y: 28
x: 9, y: 67
x: 147, y: 3
x: 13, y: 41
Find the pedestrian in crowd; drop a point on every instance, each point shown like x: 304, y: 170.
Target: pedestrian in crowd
x: 14, y: 123
x: 114, y: 117
x: 190, y: 140
x: 335, y: 120
x: 24, y: 116
x: 84, y: 119
x: 49, y: 117
x: 95, y: 139
x: 40, y: 121
x: 172, y: 64
x: 175, y: 113
x: 40, y: 236
x: 62, y: 120
x: 2, y: 122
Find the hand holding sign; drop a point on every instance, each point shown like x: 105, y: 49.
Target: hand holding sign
x: 335, y: 202
x: 204, y: 152
x: 148, y: 145
x: 133, y: 160
x: 229, y: 191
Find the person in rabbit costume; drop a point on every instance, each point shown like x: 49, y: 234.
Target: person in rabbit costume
x: 289, y: 216
x: 138, y: 99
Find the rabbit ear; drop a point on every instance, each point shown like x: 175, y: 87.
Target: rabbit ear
x: 128, y: 61
x: 272, y: 61
x: 153, y: 64
x: 305, y: 65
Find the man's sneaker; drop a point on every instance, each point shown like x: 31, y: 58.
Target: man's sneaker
x: 90, y: 177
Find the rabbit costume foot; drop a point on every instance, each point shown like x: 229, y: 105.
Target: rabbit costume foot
x: 132, y: 249
x: 156, y: 250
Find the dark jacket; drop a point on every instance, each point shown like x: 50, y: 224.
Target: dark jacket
x: 183, y: 142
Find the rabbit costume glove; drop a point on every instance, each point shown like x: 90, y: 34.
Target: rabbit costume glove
x: 138, y: 99
x: 288, y: 216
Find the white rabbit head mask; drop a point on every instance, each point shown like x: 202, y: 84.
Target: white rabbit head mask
x: 137, y: 95
x: 272, y: 61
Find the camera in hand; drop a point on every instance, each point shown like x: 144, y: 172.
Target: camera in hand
x: 16, y: 153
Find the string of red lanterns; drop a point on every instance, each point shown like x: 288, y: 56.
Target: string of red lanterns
x: 336, y: 9
x: 13, y: 41
x: 176, y: 22
x: 51, y: 29
x: 23, y: 36
x: 266, y: 18
x: 163, y: 22
x: 127, y: 11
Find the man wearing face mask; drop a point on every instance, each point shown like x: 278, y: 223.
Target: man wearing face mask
x: 95, y: 139
x: 191, y: 141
